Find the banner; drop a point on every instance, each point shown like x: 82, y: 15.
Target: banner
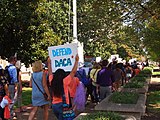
x: 63, y: 56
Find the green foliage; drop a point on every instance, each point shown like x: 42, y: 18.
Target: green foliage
x: 29, y: 27
x: 138, y: 79
x: 102, y: 116
x: 153, y: 100
x: 147, y: 69
x: 100, y: 28
x: 134, y: 85
x: 151, y: 38
x: 98, y: 23
x: 124, y: 97
x: 156, y: 73
x: 26, y: 96
x: 136, y: 82
x: 128, y: 28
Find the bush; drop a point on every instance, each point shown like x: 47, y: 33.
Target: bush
x: 134, y: 85
x: 102, y: 116
x: 124, y: 97
x: 138, y: 79
x: 146, y: 70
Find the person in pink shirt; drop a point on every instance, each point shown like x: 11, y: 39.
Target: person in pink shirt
x: 62, y: 85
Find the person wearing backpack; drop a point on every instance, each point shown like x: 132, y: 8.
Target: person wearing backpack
x: 13, y: 86
x: 19, y: 94
x: 3, y: 91
x: 81, y: 74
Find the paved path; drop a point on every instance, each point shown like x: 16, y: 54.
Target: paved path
x: 39, y: 115
x: 150, y: 113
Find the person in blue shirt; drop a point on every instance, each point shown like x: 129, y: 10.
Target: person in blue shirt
x: 13, y: 86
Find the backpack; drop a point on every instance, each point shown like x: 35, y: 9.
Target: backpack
x: 7, y: 75
x: 83, y: 79
x: 2, y: 90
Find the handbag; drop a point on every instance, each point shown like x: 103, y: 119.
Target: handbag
x: 68, y: 113
x: 44, y: 94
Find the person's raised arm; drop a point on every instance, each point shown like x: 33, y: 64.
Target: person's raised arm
x: 74, y: 69
x: 49, y: 66
x: 50, y: 75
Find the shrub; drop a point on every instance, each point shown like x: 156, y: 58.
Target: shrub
x: 102, y: 116
x: 138, y: 79
x: 146, y: 70
x: 134, y: 85
x: 124, y: 97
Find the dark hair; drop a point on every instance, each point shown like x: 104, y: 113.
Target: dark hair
x: 104, y: 63
x: 1, y: 72
x: 12, y: 58
x: 57, y: 82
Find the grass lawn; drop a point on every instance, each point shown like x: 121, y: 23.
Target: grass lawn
x: 26, y: 96
x: 153, y: 101
x: 155, y: 73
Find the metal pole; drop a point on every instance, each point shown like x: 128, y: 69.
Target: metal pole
x: 75, y: 21
x: 69, y: 20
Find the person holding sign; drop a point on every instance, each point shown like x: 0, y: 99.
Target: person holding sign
x: 60, y: 86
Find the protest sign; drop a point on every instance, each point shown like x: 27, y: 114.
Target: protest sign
x: 63, y: 56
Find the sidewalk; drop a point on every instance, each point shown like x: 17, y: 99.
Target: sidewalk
x: 152, y: 114
x: 39, y: 115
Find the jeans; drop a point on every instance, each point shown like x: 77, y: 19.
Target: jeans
x: 13, y: 97
x: 58, y: 110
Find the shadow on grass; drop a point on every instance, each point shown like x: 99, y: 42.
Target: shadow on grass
x: 153, y: 101
x: 26, y: 97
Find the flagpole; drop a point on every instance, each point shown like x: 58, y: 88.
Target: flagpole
x: 75, y: 21
x: 75, y: 38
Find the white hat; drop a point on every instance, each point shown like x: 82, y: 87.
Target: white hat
x: 80, y: 64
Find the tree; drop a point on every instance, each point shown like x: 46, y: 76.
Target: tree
x: 101, y: 29
x: 144, y: 17
x: 152, y: 39
x: 29, y: 27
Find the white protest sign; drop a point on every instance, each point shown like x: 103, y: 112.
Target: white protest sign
x: 98, y: 59
x: 63, y: 56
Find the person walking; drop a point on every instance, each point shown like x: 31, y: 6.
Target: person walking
x: 39, y: 84
x: 105, y: 80
x: 3, y: 91
x: 19, y: 93
x: 93, y: 75
x: 61, y: 88
x: 129, y: 72
x: 13, y: 83
x: 118, y: 75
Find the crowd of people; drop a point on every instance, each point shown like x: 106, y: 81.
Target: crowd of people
x: 10, y: 89
x: 106, y: 77
x: 61, y: 88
